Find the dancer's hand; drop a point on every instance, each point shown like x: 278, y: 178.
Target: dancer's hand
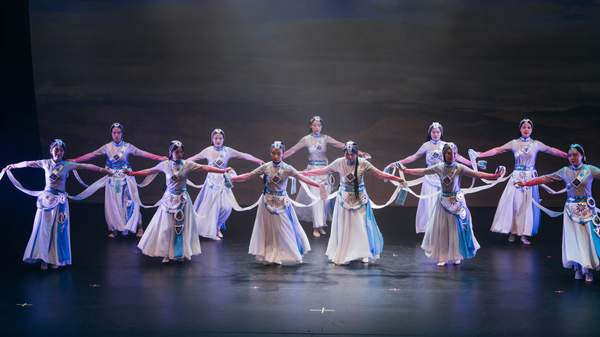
x: 474, y: 154
x: 163, y: 158
x: 9, y: 167
x: 364, y: 155
x: 229, y: 170
x: 520, y: 184
x: 106, y: 171
x: 500, y: 171
x: 400, y: 166
x: 260, y: 162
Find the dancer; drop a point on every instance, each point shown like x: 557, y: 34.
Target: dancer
x: 122, y: 215
x: 212, y: 205
x: 316, y: 144
x: 516, y: 214
x: 432, y: 151
x: 581, y: 221
x: 50, y: 241
x: 354, y: 231
x: 449, y: 232
x: 173, y: 233
x: 277, y: 236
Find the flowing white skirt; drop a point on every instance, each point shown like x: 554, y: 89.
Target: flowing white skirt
x: 278, y: 238
x: 213, y: 208
x: 121, y: 213
x: 516, y: 213
x: 441, y: 241
x: 50, y: 239
x: 425, y: 207
x: 354, y: 235
x: 160, y: 238
x: 319, y: 213
x: 578, y: 244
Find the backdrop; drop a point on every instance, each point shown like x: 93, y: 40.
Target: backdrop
x: 378, y: 72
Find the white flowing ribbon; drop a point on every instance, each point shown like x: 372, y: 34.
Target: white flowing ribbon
x: 549, y: 212
x: 76, y: 174
x: 236, y: 206
x: 90, y: 190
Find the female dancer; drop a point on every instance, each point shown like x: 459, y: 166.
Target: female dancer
x: 50, y: 241
x: 122, y: 214
x: 277, y: 236
x: 173, y: 233
x: 449, y: 232
x: 354, y: 231
x: 516, y: 214
x: 212, y: 205
x: 316, y: 144
x: 432, y: 150
x: 581, y: 221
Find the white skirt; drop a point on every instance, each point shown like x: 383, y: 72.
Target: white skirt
x: 425, y: 207
x: 213, y: 208
x: 121, y: 213
x: 160, y: 238
x: 352, y: 237
x: 516, y: 213
x: 442, y: 241
x: 50, y: 239
x: 278, y: 237
x: 578, y: 244
x: 319, y: 213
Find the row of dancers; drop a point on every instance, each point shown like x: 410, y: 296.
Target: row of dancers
x: 277, y: 237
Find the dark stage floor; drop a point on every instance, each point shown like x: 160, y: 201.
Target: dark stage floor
x: 113, y: 290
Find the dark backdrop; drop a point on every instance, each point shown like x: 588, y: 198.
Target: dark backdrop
x: 378, y: 71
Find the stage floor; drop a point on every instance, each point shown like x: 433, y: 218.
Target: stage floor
x: 112, y: 289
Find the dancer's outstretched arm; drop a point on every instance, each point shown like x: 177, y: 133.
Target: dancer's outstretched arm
x: 148, y: 155
x: 246, y: 156
x: 89, y: 156
x: 146, y: 172
x: 535, y: 181
x: 495, y: 151
x: 384, y: 176
x: 552, y: 150
x: 298, y: 146
x: 208, y: 168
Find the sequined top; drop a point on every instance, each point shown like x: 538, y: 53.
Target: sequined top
x: 56, y: 173
x: 117, y: 155
x: 432, y: 150
x: 275, y: 176
x: 219, y: 158
x: 316, y: 146
x: 341, y: 166
x: 176, y: 173
x: 449, y: 175
x: 346, y: 171
x: 525, y: 151
x: 578, y: 181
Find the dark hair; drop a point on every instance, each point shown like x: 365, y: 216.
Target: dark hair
x: 116, y: 125
x: 312, y: 120
x: 215, y: 132
x: 523, y: 121
x: 58, y: 143
x: 579, y: 149
x: 447, y: 146
x: 175, y: 144
x: 435, y: 125
x: 356, y: 179
x: 279, y: 145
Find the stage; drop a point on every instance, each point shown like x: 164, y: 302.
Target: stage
x: 113, y: 290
